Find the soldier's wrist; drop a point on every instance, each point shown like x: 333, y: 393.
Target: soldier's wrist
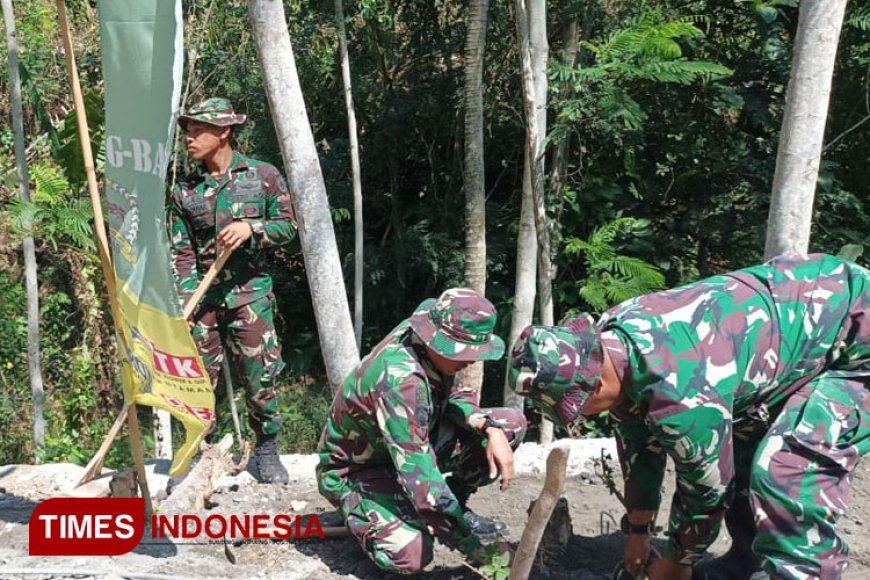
x: 486, y: 424
x: 629, y: 527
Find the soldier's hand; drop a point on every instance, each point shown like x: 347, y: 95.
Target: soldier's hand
x: 664, y: 569
x: 234, y: 235
x: 636, y: 552
x: 500, y: 456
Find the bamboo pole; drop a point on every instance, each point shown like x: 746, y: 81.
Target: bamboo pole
x: 206, y: 282
x: 102, y: 238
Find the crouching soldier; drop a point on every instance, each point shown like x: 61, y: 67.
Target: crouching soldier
x: 755, y: 383
x: 402, y: 420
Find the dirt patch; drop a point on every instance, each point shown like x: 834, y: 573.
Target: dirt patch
x: 594, y: 547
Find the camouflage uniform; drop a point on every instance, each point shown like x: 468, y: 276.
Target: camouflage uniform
x: 755, y: 379
x: 398, y: 425
x: 239, y: 306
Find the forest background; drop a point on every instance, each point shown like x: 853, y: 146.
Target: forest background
x: 663, y: 120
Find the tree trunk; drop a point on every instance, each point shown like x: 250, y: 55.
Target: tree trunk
x: 319, y: 248
x: 803, y: 127
x: 33, y: 366
x: 357, y: 180
x: 525, y: 285
x: 532, y: 37
x: 474, y: 178
x: 570, y: 37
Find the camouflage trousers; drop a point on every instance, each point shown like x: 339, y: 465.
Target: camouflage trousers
x: 382, y: 518
x: 801, y: 474
x: 248, y: 331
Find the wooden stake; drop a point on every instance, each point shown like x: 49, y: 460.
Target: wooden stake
x: 554, y: 485
x: 94, y: 467
x: 206, y: 282
x: 102, y: 238
x: 228, y: 382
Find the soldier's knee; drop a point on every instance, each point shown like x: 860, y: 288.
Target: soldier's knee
x: 410, y: 558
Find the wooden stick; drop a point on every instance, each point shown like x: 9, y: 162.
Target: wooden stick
x: 206, y: 282
x: 228, y: 381
x: 102, y: 238
x: 554, y: 485
x: 95, y: 465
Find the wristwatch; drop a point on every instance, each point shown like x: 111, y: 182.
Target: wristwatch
x: 487, y: 423
x: 628, y: 528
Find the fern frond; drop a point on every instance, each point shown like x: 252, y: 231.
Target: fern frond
x: 860, y: 19
x: 616, y: 104
x: 594, y: 293
x: 682, y: 71
x: 50, y: 184
x: 636, y: 269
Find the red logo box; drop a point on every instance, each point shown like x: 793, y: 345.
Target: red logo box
x: 86, y: 526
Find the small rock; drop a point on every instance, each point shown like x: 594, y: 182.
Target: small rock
x: 298, y: 505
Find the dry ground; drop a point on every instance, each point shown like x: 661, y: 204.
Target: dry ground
x: 593, y: 550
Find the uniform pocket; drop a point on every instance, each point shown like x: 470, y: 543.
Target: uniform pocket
x: 833, y: 428
x: 203, y: 219
x: 249, y: 209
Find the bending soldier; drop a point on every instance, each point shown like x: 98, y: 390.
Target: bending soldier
x: 755, y: 383
x: 402, y: 420
x: 240, y: 204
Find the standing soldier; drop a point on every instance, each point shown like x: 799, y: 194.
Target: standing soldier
x: 402, y: 420
x: 755, y: 384
x: 233, y: 203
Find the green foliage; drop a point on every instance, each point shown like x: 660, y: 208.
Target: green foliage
x: 646, y: 49
x: 860, y: 19
x: 304, y: 405
x: 496, y: 563
x: 611, y: 277
x: 54, y: 215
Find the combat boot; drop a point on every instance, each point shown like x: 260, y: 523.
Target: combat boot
x: 739, y: 562
x: 267, y: 466
x: 486, y: 529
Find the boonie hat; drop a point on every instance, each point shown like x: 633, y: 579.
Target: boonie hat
x: 559, y: 366
x: 458, y: 325
x: 215, y: 111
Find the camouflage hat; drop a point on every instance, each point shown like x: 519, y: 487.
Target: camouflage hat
x: 560, y: 366
x: 458, y: 326
x: 215, y: 111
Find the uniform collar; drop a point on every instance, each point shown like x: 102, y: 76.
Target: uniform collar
x: 434, y: 376
x: 238, y: 163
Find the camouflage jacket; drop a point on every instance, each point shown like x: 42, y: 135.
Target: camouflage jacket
x: 384, y: 416
x: 715, y: 360
x: 252, y: 191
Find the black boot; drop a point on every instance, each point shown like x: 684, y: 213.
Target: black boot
x: 486, y: 529
x: 266, y: 466
x: 739, y: 562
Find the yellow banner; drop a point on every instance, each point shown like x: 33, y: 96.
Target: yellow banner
x: 141, y: 47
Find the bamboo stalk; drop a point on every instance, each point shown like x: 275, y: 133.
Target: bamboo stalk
x: 95, y: 465
x: 206, y: 282
x: 102, y: 238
